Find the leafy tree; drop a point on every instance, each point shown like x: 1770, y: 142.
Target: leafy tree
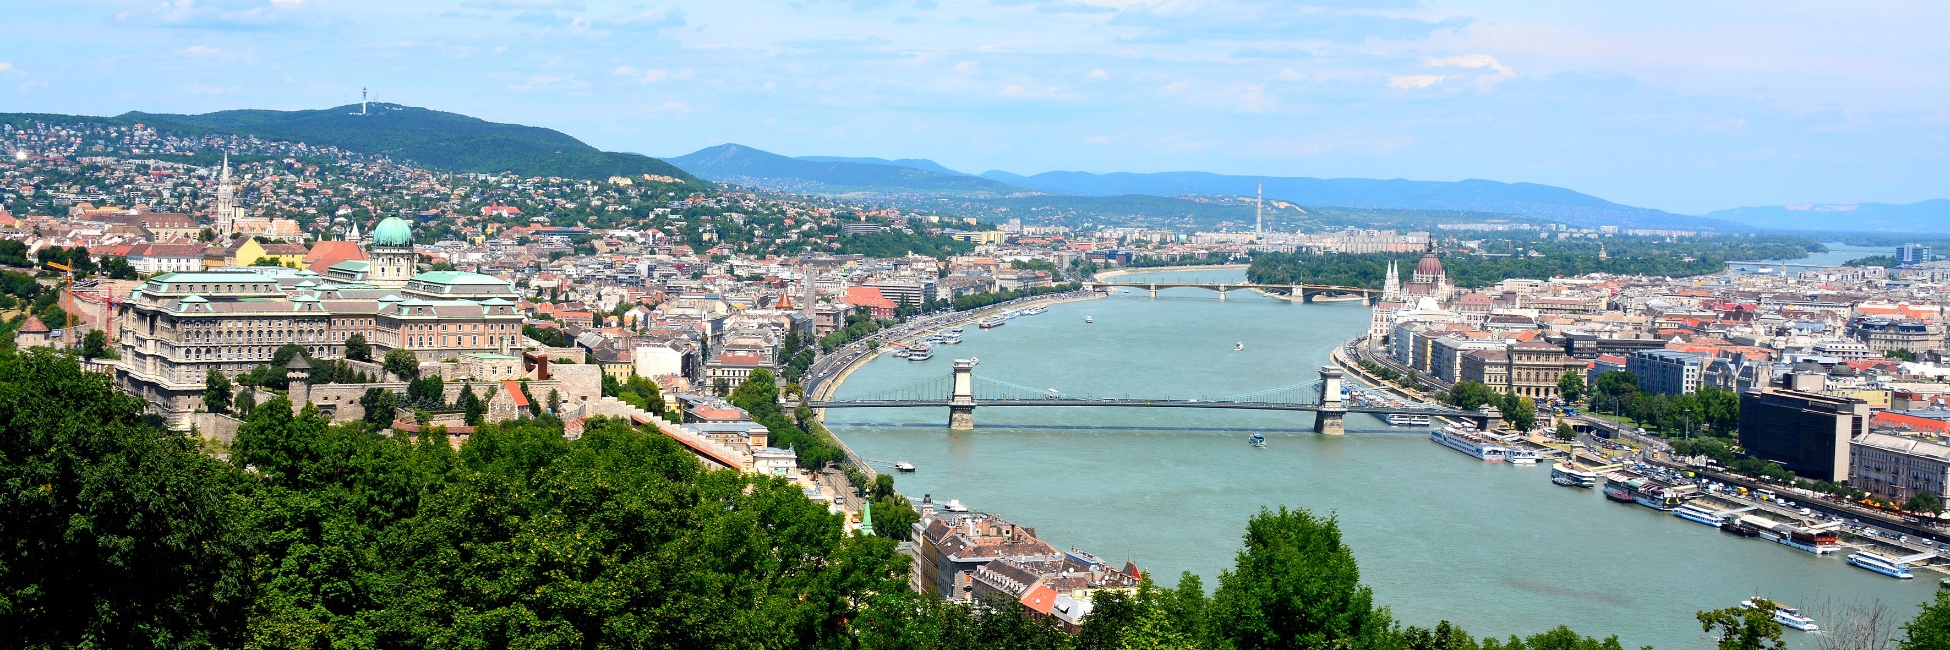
x: 357, y: 349
x: 429, y: 392
x: 1296, y: 586
x: 94, y: 344
x: 381, y: 406
x: 1923, y: 501
x: 1565, y: 432
x: 1901, y: 353
x: 548, y: 336
x: 1740, y: 628
x: 216, y: 391
x: 1518, y: 411
x: 1616, y: 386
x: 246, y: 400
x: 471, y: 405
x: 118, y: 535
x: 1571, y: 386
x: 402, y: 363
x: 1930, y: 630
x: 1470, y: 395
x: 117, y: 268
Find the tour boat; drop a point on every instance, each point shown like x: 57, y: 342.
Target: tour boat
x: 954, y: 330
x: 1693, y: 513
x: 1523, y: 456
x: 1088, y: 319
x: 951, y: 338
x: 1570, y: 475
x: 1621, y: 487
x: 1258, y: 440
x: 1407, y: 420
x: 903, y: 466
x: 1239, y: 346
x: 1880, y: 563
x: 1787, y: 616
x: 954, y: 505
x: 1818, y: 543
x: 922, y: 352
x: 1032, y: 311
x: 1656, y: 497
x: 1469, y: 441
x: 992, y: 322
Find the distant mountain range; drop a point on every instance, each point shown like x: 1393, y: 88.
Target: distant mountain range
x: 437, y: 139
x: 1931, y: 216
x: 919, y: 177
x: 742, y: 165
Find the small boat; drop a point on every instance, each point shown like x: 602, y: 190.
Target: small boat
x: 954, y: 505
x: 1882, y: 564
x: 901, y: 353
x: 992, y: 322
x: 951, y: 338
x: 1408, y: 420
x: 954, y: 330
x: 1787, y: 616
x: 903, y: 466
x: 1239, y: 346
x: 1088, y: 319
x: 1258, y: 440
x: 1522, y: 457
x: 920, y: 354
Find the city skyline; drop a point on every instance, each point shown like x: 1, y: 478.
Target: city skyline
x: 1719, y: 107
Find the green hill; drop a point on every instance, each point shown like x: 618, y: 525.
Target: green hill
x: 438, y: 139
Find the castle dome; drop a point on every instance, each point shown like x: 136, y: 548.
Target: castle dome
x: 1429, y: 267
x: 392, y: 231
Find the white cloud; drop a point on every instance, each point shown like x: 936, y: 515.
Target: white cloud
x: 1472, y: 61
x: 8, y: 67
x: 644, y: 76
x: 1415, y: 81
x: 1097, y: 74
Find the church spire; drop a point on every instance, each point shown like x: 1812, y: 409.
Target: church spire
x: 226, y: 200
x: 1391, y: 289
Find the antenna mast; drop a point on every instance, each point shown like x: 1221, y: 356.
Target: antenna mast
x: 362, y: 101
x: 1259, y: 213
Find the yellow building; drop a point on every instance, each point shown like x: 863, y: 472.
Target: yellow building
x: 248, y: 252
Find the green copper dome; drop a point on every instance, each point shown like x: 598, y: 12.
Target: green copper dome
x: 392, y: 231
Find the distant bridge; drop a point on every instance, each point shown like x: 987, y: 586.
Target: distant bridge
x: 1300, y: 291
x: 1323, y: 398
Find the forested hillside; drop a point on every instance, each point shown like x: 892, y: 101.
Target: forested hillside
x: 438, y: 139
x: 304, y: 534
x: 1503, y: 259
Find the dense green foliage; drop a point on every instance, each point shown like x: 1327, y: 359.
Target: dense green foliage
x: 1930, y: 630
x: 900, y: 243
x: 549, y: 336
x: 1884, y: 261
x: 445, y: 141
x: 1504, y: 259
x: 980, y: 300
x: 1518, y: 412
x: 1739, y: 628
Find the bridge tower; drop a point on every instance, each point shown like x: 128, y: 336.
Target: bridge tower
x: 961, y: 399
x: 1490, y: 419
x: 1328, y: 419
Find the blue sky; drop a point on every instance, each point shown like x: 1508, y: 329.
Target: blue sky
x: 1684, y: 106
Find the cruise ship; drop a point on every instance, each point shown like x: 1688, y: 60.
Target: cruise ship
x: 1787, y: 616
x: 1693, y: 513
x: 1407, y: 420
x: 1470, y: 441
x: 1570, y: 475
x: 1880, y: 563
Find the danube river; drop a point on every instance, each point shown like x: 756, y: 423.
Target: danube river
x: 1495, y: 548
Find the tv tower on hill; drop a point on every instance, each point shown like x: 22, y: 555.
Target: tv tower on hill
x: 1259, y: 213
x: 362, y: 101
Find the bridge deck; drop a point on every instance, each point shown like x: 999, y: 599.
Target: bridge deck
x: 1147, y: 403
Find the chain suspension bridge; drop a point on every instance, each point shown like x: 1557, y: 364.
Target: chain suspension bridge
x: 962, y: 392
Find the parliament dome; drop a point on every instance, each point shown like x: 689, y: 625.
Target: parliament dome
x: 1429, y: 266
x: 392, y: 231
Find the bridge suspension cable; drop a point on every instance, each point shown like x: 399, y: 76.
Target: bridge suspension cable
x: 1298, y: 389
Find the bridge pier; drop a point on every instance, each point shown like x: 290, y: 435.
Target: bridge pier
x: 1154, y: 292
x: 1222, y: 293
x: 1489, y: 419
x: 1329, y: 419
x: 1298, y: 294
x: 961, y: 400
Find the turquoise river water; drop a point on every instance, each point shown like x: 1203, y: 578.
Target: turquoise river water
x: 1495, y: 548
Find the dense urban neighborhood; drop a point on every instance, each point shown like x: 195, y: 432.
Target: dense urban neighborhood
x: 244, y: 289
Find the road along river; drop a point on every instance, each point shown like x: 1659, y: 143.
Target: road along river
x: 1495, y: 548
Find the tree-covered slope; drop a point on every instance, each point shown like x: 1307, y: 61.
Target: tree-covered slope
x: 438, y: 139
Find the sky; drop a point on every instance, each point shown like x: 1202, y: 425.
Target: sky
x: 1678, y: 105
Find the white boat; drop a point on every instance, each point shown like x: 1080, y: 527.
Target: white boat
x: 921, y: 352
x: 1880, y: 563
x: 1469, y: 441
x: 954, y: 505
x: 1573, y: 476
x: 1693, y: 513
x: 951, y: 338
x: 901, y: 353
x: 1818, y: 543
x: 1523, y: 456
x: 1408, y: 420
x: 903, y: 466
x: 1239, y: 346
x: 1258, y: 440
x: 1088, y: 319
x: 954, y: 330
x: 992, y: 322
x: 1787, y: 616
